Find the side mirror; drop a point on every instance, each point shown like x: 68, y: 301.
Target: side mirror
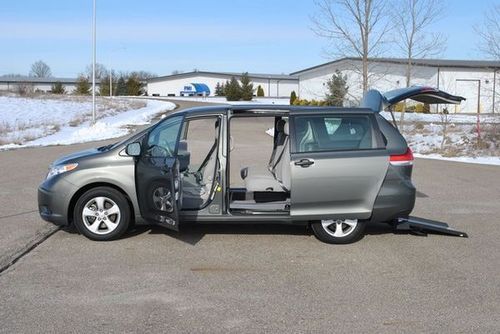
x: 133, y: 149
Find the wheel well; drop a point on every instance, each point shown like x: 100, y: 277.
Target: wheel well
x: 86, y: 188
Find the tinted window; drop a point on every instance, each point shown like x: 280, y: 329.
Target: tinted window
x: 163, y: 139
x: 332, y: 133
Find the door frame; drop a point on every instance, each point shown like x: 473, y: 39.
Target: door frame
x: 219, y: 149
x: 478, y: 110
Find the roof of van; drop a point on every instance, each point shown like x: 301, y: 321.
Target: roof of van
x: 261, y: 108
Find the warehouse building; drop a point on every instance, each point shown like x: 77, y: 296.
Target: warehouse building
x: 477, y: 81
x: 13, y: 84
x: 274, y: 85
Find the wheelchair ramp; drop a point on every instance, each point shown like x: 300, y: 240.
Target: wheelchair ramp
x: 427, y: 225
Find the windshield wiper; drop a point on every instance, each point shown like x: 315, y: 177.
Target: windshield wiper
x: 105, y: 148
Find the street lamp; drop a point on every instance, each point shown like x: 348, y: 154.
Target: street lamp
x: 93, y: 59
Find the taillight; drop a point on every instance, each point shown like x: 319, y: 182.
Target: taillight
x: 402, y: 159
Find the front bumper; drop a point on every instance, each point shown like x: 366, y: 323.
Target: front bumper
x: 53, y: 201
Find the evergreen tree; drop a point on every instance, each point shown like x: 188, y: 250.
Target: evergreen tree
x: 293, y: 97
x: 260, y: 91
x: 337, y: 89
x: 134, y: 86
x: 219, y: 89
x: 104, y: 86
x: 82, y: 86
x: 58, y: 88
x: 233, y: 90
x: 121, y: 87
x: 246, y: 88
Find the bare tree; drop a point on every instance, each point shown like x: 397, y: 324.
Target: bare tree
x: 356, y: 28
x: 39, y: 69
x: 25, y: 88
x: 412, y: 19
x: 489, y: 33
x: 100, y: 71
x: 489, y: 42
x: 143, y: 75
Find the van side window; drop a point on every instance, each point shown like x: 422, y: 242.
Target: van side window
x: 318, y: 133
x: 162, y: 141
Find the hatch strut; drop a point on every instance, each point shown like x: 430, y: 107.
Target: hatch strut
x: 421, y: 225
x: 393, y: 118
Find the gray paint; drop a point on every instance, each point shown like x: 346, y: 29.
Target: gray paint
x: 338, y: 185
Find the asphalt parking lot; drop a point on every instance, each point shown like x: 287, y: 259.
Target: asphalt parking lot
x: 254, y: 278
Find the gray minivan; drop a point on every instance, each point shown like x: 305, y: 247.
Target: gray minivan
x: 336, y: 169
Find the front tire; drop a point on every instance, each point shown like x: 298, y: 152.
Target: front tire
x: 339, y: 231
x: 102, y: 214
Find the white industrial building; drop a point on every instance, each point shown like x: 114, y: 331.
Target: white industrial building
x: 477, y: 81
x: 11, y: 84
x: 274, y: 85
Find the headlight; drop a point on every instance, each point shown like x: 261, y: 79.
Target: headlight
x: 59, y: 169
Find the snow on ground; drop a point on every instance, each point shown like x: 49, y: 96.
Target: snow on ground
x: 477, y: 160
x: 222, y: 100
x: 455, y: 118
x: 27, y: 122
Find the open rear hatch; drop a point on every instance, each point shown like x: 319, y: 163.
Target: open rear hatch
x: 427, y: 95
x: 376, y: 101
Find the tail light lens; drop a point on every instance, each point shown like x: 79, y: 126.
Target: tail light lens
x: 402, y: 159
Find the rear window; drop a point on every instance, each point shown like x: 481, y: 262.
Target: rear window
x: 318, y: 133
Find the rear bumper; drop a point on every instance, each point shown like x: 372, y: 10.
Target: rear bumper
x: 396, y: 198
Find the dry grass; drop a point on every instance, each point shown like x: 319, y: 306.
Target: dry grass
x: 76, y: 121
x: 105, y: 107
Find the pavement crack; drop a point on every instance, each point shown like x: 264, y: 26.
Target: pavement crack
x: 27, y: 249
x: 18, y: 214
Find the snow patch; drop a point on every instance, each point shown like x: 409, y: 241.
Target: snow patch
x: 49, y: 121
x: 436, y: 118
x: 473, y: 160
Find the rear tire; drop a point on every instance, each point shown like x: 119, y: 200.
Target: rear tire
x: 341, y: 231
x: 102, y: 214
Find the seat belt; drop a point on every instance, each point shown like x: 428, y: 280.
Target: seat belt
x: 273, y: 154
x: 273, y: 168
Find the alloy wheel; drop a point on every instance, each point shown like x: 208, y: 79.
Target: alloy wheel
x: 339, y: 227
x: 101, y: 215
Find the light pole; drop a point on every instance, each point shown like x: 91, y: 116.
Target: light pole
x: 93, y: 59
x: 110, y: 83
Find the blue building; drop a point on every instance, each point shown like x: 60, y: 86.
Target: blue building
x: 195, y: 89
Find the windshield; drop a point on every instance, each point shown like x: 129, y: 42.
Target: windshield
x: 131, y: 139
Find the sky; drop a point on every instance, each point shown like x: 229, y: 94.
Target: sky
x: 258, y: 36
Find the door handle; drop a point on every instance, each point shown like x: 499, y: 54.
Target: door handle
x: 304, y: 163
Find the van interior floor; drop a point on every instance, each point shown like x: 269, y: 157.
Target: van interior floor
x: 244, y: 201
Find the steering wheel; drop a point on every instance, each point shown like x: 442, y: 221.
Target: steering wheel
x: 160, y: 151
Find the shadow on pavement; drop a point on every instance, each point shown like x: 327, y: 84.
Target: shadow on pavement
x: 192, y: 233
